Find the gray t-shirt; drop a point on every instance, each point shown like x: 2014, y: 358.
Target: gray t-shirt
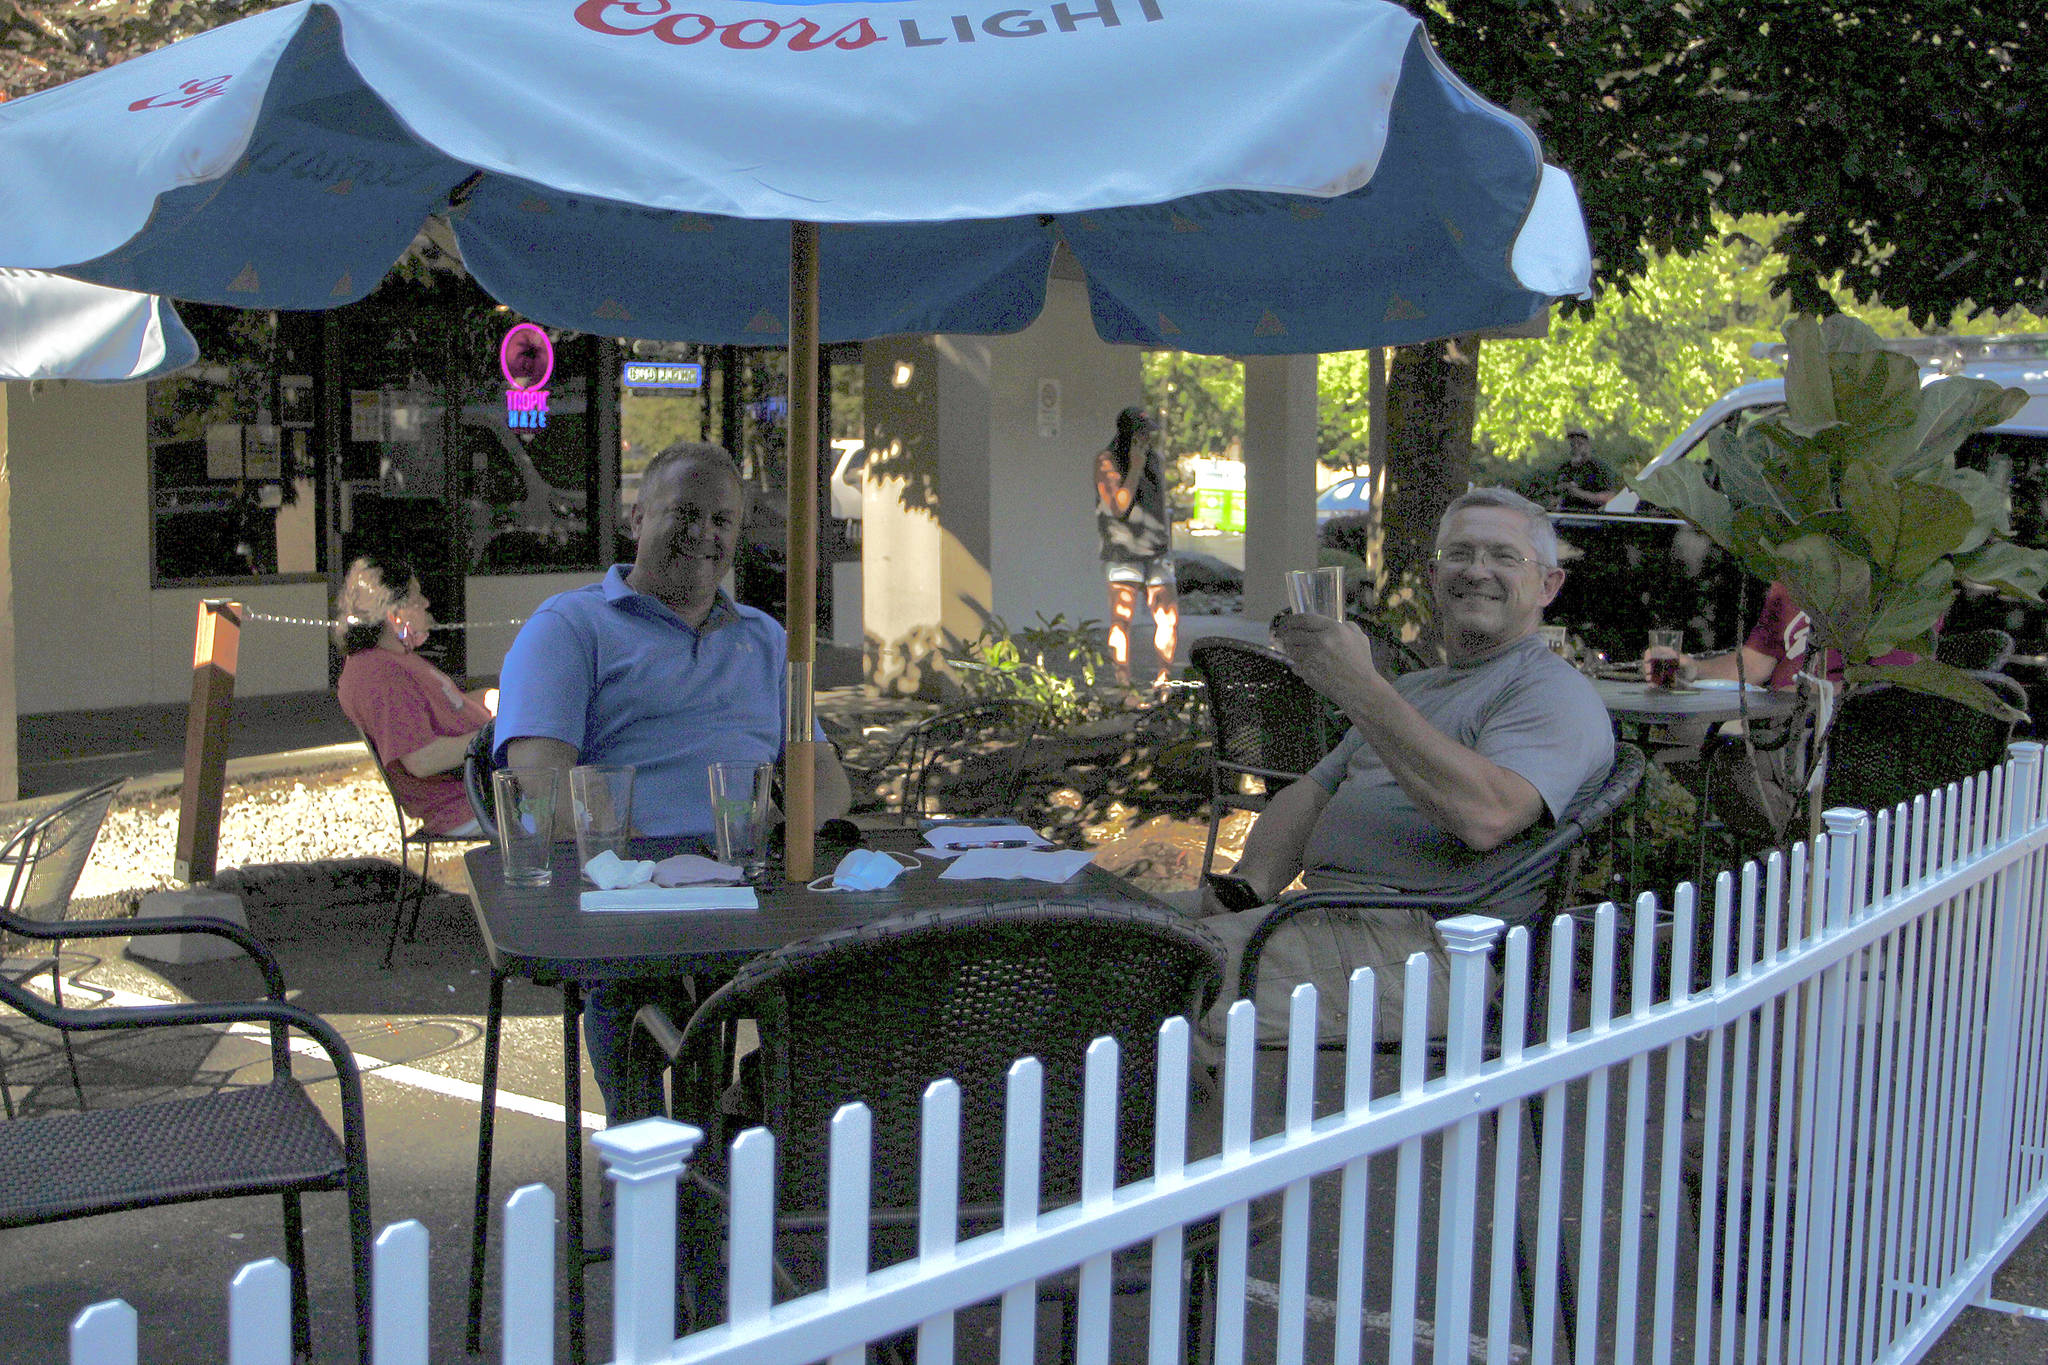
x: 1525, y: 709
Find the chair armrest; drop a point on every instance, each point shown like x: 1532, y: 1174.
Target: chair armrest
x: 654, y: 1021
x: 258, y: 951
x: 277, y: 1013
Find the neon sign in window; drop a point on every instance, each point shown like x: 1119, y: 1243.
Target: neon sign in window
x: 527, y: 359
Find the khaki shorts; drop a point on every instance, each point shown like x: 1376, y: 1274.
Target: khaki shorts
x: 1323, y: 948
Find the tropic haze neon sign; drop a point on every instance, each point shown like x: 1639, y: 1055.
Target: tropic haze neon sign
x: 526, y: 358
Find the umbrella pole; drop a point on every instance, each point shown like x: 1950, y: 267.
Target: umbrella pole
x: 800, y: 772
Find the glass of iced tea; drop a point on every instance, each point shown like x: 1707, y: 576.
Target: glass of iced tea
x: 1661, y: 660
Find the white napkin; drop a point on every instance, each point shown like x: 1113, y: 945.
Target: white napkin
x: 686, y: 869
x: 608, y: 871
x: 650, y: 897
x: 1017, y: 864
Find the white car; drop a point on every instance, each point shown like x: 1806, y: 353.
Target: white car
x: 849, y: 464
x: 2019, y: 362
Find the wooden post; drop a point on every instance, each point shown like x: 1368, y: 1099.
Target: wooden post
x: 799, y: 774
x: 216, y: 645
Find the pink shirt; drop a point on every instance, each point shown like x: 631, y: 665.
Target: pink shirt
x: 1785, y: 633
x: 403, y: 703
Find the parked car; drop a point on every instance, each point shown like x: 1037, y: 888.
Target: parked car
x: 1650, y: 550
x: 848, y: 469
x: 1344, y: 498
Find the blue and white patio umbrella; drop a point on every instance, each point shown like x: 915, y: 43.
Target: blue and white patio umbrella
x: 57, y: 328
x: 1234, y: 177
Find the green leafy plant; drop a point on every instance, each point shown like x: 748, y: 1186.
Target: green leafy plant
x: 1851, y: 496
x: 1054, y: 664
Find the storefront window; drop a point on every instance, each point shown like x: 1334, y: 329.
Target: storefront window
x: 233, y: 479
x: 433, y: 442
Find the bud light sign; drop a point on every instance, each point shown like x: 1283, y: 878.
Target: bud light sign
x: 527, y: 358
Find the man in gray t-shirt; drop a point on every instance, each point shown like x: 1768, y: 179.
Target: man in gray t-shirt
x: 1441, y: 768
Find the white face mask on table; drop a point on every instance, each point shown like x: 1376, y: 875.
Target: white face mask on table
x: 863, y: 869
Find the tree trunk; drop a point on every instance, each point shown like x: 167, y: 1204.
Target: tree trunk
x: 1432, y: 402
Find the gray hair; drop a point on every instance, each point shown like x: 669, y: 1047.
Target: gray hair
x: 1542, y: 535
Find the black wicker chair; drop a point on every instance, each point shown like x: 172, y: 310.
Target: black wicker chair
x: 43, y: 860
x: 477, y: 766
x: 1888, y: 745
x: 1976, y: 650
x: 877, y: 1013
x: 1265, y: 721
x: 1546, y: 856
x: 241, y: 1140
x: 409, y: 838
x: 970, y: 760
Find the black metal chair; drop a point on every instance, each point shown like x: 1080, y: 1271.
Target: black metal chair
x: 1888, y: 744
x: 478, y: 763
x: 970, y: 760
x: 43, y: 860
x: 1975, y: 650
x: 1546, y: 858
x: 241, y: 1140
x: 877, y: 1013
x: 418, y: 837
x: 1266, y: 722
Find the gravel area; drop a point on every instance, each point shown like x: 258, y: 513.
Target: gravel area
x: 333, y: 813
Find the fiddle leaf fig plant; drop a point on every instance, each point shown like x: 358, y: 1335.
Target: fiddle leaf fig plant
x: 1851, y: 496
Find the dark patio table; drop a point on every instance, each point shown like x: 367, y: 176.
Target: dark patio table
x: 540, y: 934
x: 1640, y: 710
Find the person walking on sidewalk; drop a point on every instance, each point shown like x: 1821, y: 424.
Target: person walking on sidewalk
x: 1130, y: 516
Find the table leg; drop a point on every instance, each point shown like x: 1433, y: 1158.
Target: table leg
x: 574, y: 1259
x: 486, y: 1126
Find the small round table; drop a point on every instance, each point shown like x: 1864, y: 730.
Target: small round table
x: 1639, y: 710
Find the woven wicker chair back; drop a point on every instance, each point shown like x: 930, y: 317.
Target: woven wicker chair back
x: 1888, y: 745
x: 970, y: 760
x: 877, y: 1013
x: 1265, y: 717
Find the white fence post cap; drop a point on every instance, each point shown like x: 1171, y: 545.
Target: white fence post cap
x: 646, y: 1147
x: 1470, y: 933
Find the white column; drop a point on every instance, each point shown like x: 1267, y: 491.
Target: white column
x: 1279, y: 477
x: 979, y: 496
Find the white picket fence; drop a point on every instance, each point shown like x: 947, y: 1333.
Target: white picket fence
x: 1822, y: 1154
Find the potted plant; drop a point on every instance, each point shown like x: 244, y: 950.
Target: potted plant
x: 1851, y: 496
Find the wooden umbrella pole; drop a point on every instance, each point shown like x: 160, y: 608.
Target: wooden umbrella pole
x: 800, y: 765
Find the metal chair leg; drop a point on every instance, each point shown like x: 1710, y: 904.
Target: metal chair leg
x: 70, y: 1056
x: 295, y: 1260
x: 398, y: 899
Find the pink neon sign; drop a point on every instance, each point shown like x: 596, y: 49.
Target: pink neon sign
x: 527, y: 359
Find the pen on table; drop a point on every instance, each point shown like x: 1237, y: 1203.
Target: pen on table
x: 993, y: 843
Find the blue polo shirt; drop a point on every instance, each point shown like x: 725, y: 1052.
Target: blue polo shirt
x: 623, y: 679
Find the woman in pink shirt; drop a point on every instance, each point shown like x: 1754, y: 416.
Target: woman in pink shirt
x: 415, y: 715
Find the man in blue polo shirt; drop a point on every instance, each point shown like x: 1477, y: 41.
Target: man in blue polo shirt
x: 656, y: 667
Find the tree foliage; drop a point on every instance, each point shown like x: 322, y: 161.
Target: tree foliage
x: 47, y: 42
x: 1900, y: 143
